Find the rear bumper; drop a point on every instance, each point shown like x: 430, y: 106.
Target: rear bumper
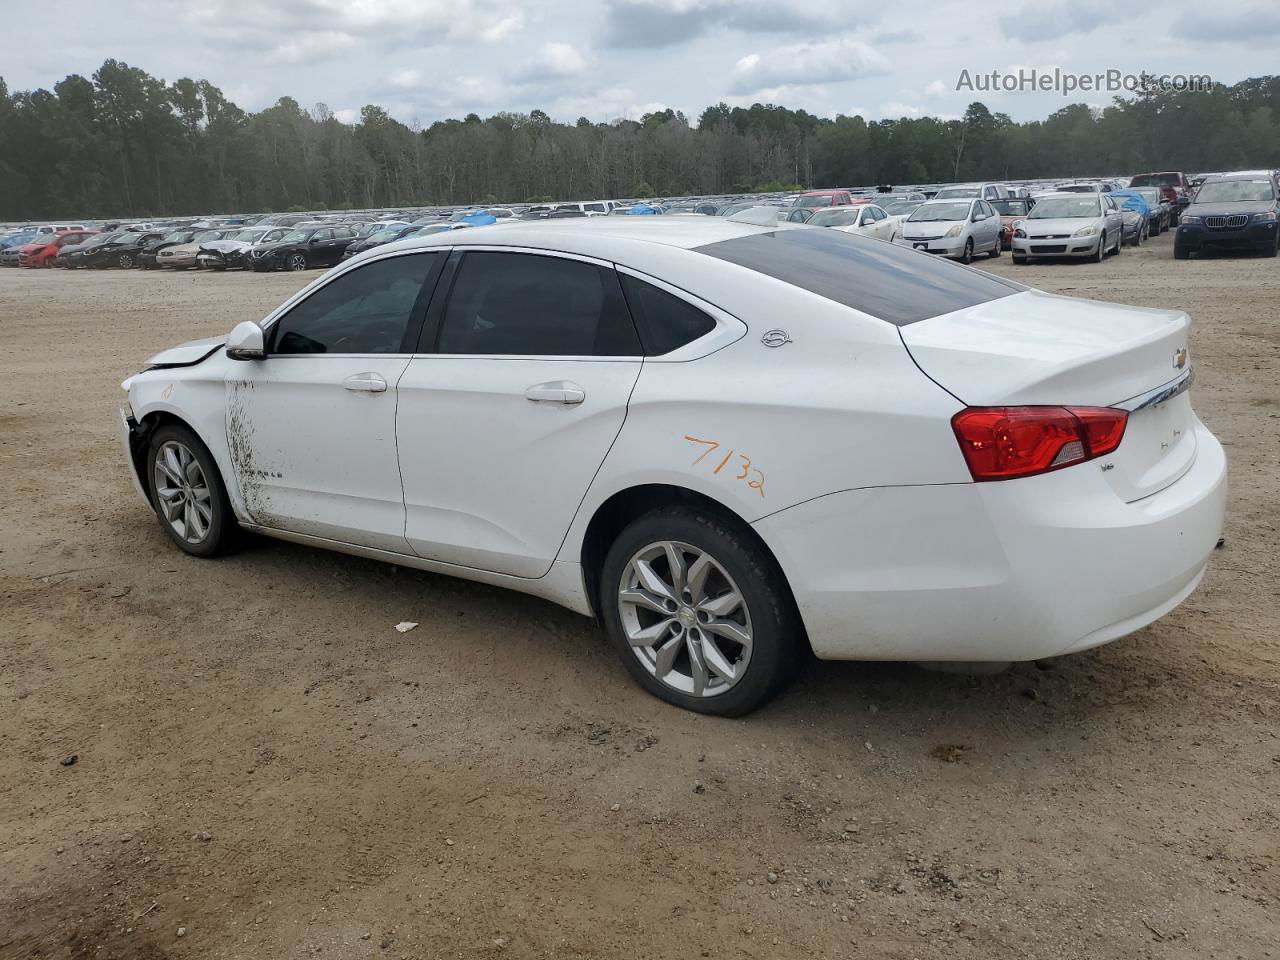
x: 1017, y: 570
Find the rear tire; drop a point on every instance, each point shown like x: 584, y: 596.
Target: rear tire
x: 994, y: 251
x: 187, y: 493
x: 721, y: 586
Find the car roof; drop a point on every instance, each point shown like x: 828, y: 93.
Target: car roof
x: 595, y: 236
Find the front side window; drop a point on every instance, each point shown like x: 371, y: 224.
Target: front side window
x: 520, y: 304
x: 366, y: 310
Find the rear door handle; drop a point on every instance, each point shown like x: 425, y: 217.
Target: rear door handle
x: 365, y: 383
x: 556, y: 391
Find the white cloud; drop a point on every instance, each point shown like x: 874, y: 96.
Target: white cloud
x: 935, y: 89
x: 405, y: 79
x: 313, y: 45
x: 561, y: 59
x: 803, y: 64
x: 896, y: 109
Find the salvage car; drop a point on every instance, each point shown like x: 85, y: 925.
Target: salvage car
x: 148, y: 254
x: 1070, y: 225
x: 388, y: 235
x: 1160, y: 216
x: 1011, y: 211
x: 42, y: 251
x: 869, y: 219
x: 1230, y: 213
x: 602, y: 412
x: 233, y: 249
x: 301, y: 249
x: 953, y: 228
x: 121, y: 250
x: 184, y: 256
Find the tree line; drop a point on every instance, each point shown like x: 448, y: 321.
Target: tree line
x: 126, y: 144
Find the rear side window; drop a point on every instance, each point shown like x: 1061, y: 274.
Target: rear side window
x: 521, y: 304
x: 883, y: 280
x: 666, y: 322
x: 367, y: 310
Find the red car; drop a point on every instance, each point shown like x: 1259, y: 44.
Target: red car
x: 1173, y: 186
x: 822, y: 198
x: 42, y: 252
x: 1011, y: 211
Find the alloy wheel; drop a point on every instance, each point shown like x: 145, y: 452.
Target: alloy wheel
x: 685, y: 618
x: 297, y: 262
x: 186, y: 502
x: 126, y: 261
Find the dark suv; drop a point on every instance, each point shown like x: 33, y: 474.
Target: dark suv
x: 1231, y: 212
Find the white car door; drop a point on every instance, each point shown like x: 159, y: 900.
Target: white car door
x: 519, y: 391
x: 311, y: 428
x: 880, y: 225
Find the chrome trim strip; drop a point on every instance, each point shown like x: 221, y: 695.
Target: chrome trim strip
x: 1180, y: 384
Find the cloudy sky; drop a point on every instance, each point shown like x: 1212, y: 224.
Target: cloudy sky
x: 429, y: 59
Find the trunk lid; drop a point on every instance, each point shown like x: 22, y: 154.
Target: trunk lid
x: 1038, y: 348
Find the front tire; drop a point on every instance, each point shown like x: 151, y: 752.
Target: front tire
x: 1180, y: 252
x: 967, y: 256
x: 297, y: 261
x: 187, y: 493
x: 1102, y: 249
x: 125, y: 262
x: 699, y: 612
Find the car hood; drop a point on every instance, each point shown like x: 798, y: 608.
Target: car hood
x: 1227, y: 209
x: 1057, y: 226
x: 227, y: 246
x: 928, y: 228
x: 185, y: 354
x: 182, y: 248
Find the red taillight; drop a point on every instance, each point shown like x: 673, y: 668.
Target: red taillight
x: 999, y: 443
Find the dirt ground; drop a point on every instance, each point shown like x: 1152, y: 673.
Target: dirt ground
x: 267, y: 769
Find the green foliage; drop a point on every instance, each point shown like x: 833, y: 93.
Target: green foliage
x: 777, y: 186
x: 124, y: 143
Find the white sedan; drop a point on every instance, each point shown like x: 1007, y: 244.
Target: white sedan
x: 868, y: 219
x: 727, y: 441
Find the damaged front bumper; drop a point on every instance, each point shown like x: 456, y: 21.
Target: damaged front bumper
x: 131, y: 440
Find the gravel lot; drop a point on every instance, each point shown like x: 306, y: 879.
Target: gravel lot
x: 267, y: 769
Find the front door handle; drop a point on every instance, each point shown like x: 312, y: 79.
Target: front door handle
x: 365, y: 383
x: 556, y: 391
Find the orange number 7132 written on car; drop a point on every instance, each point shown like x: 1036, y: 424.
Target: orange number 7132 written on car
x: 741, y: 470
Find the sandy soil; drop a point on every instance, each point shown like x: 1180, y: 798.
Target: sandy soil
x: 267, y: 769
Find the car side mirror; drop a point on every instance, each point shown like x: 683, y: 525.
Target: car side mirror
x: 247, y: 342
x: 979, y: 217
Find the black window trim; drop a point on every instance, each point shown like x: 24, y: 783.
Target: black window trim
x: 428, y: 342
x: 412, y: 329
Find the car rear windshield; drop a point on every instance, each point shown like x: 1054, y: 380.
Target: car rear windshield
x: 881, y: 279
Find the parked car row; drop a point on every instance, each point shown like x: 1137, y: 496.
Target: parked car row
x: 1083, y: 218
